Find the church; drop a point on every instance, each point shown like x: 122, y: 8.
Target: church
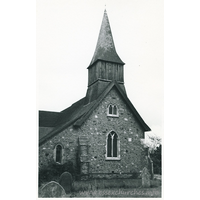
x: 100, y: 133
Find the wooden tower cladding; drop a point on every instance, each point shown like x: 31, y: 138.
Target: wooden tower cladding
x: 105, y: 71
x: 106, y: 66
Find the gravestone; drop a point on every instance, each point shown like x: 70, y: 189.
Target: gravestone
x: 52, y: 189
x: 145, y: 177
x: 66, y: 182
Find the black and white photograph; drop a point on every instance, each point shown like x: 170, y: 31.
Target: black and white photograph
x: 100, y: 98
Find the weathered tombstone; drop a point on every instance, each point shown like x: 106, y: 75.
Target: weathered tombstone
x: 150, y: 165
x: 66, y: 182
x: 145, y: 178
x: 52, y: 189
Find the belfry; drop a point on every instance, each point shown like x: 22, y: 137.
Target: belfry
x: 106, y: 66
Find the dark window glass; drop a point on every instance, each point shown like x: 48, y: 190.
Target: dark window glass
x: 115, y: 145
x: 110, y: 109
x: 114, y: 110
x: 58, y: 153
x: 109, y: 140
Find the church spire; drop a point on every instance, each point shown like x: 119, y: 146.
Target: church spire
x: 105, y: 48
x: 106, y: 66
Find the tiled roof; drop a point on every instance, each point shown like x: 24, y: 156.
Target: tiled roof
x: 78, y: 113
x: 47, y: 118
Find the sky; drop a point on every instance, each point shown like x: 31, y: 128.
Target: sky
x: 66, y: 37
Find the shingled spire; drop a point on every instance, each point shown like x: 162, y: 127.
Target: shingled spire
x: 106, y: 66
x: 105, y: 48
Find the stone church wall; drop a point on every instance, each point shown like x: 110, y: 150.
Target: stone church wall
x: 96, y: 128
x: 99, y: 125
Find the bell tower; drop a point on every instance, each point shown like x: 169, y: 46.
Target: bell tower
x: 105, y: 66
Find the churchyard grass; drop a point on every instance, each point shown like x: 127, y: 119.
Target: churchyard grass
x: 115, y: 188
x: 112, y: 183
x: 121, y: 192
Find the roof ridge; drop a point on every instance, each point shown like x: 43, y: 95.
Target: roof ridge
x: 98, y: 100
x: 85, y: 112
x: 56, y: 130
x: 101, y: 97
x: 48, y: 111
x: 73, y: 105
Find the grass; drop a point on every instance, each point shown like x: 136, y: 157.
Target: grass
x: 111, y: 183
x: 102, y: 184
x: 115, y: 188
x: 127, y: 192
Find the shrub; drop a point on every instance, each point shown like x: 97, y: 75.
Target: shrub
x: 53, y: 170
x: 157, y: 160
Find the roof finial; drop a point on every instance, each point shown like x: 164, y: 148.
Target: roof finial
x: 105, y: 8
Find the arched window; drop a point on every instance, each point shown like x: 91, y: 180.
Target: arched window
x: 109, y: 145
x: 112, y: 111
x: 112, y: 146
x: 58, y: 153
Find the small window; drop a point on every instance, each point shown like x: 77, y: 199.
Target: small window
x: 112, y: 111
x: 58, y: 153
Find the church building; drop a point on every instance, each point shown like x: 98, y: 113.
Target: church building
x: 101, y: 132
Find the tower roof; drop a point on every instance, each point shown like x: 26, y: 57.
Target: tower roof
x: 105, y: 48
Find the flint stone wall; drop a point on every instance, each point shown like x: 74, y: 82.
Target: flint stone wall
x: 96, y: 128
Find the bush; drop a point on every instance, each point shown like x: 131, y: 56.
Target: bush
x: 53, y: 171
x: 157, y: 160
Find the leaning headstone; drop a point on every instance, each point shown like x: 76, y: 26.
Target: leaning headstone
x: 66, y: 182
x: 52, y: 189
x: 145, y: 178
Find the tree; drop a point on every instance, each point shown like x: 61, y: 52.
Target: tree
x: 157, y: 160
x: 153, y: 145
x: 151, y: 142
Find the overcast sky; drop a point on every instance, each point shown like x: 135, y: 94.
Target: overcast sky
x: 67, y: 33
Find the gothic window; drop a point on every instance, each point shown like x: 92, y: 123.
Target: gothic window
x: 112, y: 111
x: 112, y: 146
x: 58, y: 153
